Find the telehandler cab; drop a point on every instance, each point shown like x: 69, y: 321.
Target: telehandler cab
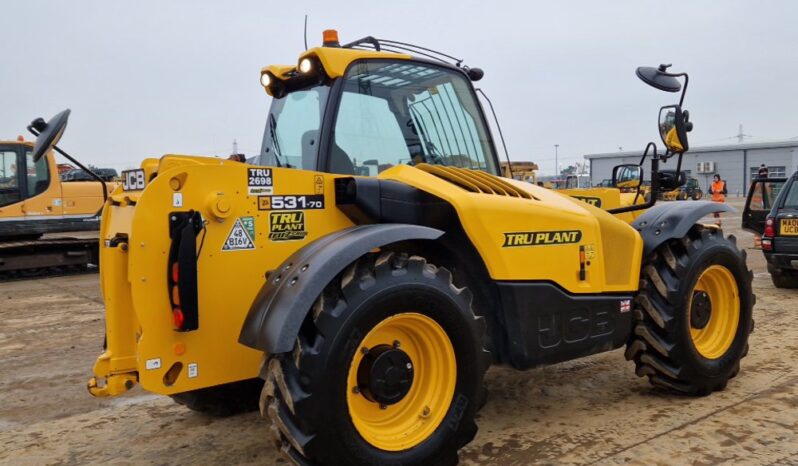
x: 373, y: 264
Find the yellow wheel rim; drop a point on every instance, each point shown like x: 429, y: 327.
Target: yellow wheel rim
x: 415, y: 417
x: 717, y: 334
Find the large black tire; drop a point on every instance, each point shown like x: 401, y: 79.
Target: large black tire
x: 223, y: 400
x: 697, y: 195
x: 661, y: 345
x: 305, y: 395
x: 783, y: 278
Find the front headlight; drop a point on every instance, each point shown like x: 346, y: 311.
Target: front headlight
x: 305, y: 65
x: 265, y: 79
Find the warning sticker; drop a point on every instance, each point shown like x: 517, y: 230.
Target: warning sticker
x: 590, y: 252
x: 259, y: 181
x: 287, y: 226
x: 241, y: 236
x: 318, y: 183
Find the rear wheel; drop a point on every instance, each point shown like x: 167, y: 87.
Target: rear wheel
x: 693, y: 313
x: 697, y: 195
x: 223, y: 400
x: 784, y: 278
x: 387, y: 369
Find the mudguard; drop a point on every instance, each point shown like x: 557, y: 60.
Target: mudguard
x: 278, y: 310
x: 673, y: 220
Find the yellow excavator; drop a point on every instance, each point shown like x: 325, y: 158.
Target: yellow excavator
x: 45, y: 223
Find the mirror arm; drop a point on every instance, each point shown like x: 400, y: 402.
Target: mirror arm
x: 654, y: 184
x: 80, y: 165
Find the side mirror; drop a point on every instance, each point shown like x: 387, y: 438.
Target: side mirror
x: 48, y: 133
x: 673, y: 127
x: 627, y: 176
x: 659, y: 78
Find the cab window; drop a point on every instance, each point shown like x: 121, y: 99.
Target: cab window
x: 401, y: 112
x: 38, y: 175
x: 9, y: 178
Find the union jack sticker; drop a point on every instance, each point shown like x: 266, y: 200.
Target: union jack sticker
x: 626, y: 305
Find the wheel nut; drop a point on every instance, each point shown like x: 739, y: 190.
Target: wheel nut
x: 382, y: 406
x: 409, y: 366
x: 355, y: 390
x: 364, y: 350
x: 425, y: 412
x: 396, y: 344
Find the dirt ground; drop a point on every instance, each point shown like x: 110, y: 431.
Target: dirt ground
x: 589, y: 411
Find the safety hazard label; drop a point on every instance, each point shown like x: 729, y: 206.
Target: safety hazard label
x: 241, y: 236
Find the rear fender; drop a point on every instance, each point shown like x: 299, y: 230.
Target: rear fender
x: 673, y: 220
x: 280, y: 307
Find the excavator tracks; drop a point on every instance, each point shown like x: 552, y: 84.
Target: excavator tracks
x: 31, y: 258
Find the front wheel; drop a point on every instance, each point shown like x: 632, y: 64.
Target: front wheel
x: 697, y: 195
x: 387, y: 369
x: 693, y: 313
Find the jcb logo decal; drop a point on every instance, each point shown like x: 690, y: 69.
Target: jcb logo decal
x: 594, y: 201
x: 287, y: 226
x: 541, y: 238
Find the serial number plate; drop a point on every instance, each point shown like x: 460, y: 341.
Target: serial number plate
x: 133, y: 180
x: 789, y: 226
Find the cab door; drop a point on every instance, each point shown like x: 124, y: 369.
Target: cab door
x: 41, y: 186
x: 761, y: 197
x: 11, y: 182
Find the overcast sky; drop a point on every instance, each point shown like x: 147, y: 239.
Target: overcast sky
x: 147, y: 78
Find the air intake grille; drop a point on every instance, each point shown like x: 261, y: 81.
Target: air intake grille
x: 474, y: 180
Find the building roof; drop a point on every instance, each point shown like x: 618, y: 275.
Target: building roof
x: 786, y: 143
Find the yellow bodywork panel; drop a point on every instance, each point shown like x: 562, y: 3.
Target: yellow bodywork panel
x: 141, y: 335
x: 527, y: 233
x: 533, y: 239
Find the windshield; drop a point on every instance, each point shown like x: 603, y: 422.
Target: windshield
x: 290, y: 138
x: 397, y: 112
x: 390, y: 113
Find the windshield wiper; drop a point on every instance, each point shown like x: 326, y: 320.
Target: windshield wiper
x: 275, y: 142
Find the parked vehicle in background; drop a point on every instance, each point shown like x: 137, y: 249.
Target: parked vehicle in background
x: 107, y: 174
x: 771, y: 210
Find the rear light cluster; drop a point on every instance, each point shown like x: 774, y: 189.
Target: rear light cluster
x: 177, y: 314
x: 182, y: 270
x: 769, y: 233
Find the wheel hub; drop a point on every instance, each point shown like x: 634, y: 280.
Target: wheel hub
x: 700, y: 310
x: 385, y: 375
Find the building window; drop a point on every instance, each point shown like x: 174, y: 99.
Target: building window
x: 773, y: 172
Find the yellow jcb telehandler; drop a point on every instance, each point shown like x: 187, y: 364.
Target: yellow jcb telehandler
x: 358, y: 281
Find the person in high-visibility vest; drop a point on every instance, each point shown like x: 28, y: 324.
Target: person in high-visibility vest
x: 718, y: 191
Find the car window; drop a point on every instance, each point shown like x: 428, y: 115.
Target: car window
x: 764, y: 194
x: 791, y: 201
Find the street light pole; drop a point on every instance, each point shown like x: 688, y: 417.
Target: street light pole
x: 556, y: 164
